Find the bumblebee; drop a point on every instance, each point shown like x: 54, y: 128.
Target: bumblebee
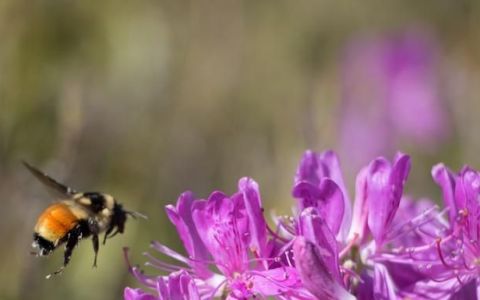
x: 73, y: 217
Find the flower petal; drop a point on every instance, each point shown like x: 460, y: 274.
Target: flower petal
x: 310, y: 187
x: 446, y: 180
x: 177, y: 286
x: 314, y: 273
x: 330, y: 160
x: 181, y: 216
x: 222, y: 225
x: 383, y: 286
x: 469, y: 291
x: 384, y: 191
x: 365, y: 287
x: 137, y: 294
x: 256, y: 221
x: 327, y: 197
x: 360, y: 209
x: 313, y: 227
x: 334, y: 206
x: 467, y: 195
x: 276, y: 281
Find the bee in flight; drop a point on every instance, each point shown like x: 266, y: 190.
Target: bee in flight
x: 73, y: 217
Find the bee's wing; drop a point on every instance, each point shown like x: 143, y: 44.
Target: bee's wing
x: 54, y: 187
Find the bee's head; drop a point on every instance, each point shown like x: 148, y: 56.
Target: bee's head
x: 118, y: 220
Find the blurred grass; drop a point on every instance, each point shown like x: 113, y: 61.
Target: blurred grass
x: 146, y: 99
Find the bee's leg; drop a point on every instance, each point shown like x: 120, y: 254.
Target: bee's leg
x: 94, y: 230
x: 73, y: 237
x: 95, y: 249
x: 110, y: 229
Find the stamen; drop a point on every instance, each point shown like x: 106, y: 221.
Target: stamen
x: 417, y: 222
x: 288, y: 258
x: 272, y: 280
x: 467, y: 266
x: 440, y: 254
x: 169, y: 252
x: 276, y: 235
x: 156, y: 263
x: 137, y: 273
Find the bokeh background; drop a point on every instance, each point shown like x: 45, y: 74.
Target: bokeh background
x: 146, y: 99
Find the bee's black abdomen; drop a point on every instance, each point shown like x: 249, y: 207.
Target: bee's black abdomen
x: 45, y: 246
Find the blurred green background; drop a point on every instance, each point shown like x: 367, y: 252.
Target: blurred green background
x: 147, y: 99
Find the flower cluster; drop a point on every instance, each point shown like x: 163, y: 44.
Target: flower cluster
x: 384, y: 77
x: 387, y: 246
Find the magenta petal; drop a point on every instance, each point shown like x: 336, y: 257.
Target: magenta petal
x: 469, y: 291
x: 313, y: 167
x: 330, y: 161
x: 181, y: 217
x: 467, y: 192
x: 257, y: 225
x: 461, y: 193
x: 308, y: 170
x: 314, y: 229
x: 222, y: 225
x: 446, y: 180
x: 360, y: 209
x: 435, y: 289
x: 384, y: 191
x: 177, y: 286
x: 327, y: 197
x: 307, y: 193
x: 314, y: 273
x: 276, y: 281
x: 334, y: 205
x: 310, y: 188
x: 137, y: 294
x: 204, y: 215
x: 332, y: 170
x: 365, y: 287
x: 401, y: 168
x: 383, y: 286
x: 379, y: 199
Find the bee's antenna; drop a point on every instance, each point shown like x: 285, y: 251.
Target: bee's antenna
x: 136, y: 214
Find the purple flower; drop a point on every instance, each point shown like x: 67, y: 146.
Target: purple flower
x: 383, y: 286
x: 461, y: 196
x: 458, y: 248
x: 379, y: 189
x: 316, y: 230
x: 319, y: 183
x: 385, y: 79
x: 316, y: 257
x: 384, y: 190
x: 137, y: 294
x: 321, y: 193
x: 446, y: 180
x: 230, y: 234
x: 441, y: 254
x: 181, y: 216
x: 391, y: 247
x: 359, y: 227
x: 177, y: 286
x: 314, y: 272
